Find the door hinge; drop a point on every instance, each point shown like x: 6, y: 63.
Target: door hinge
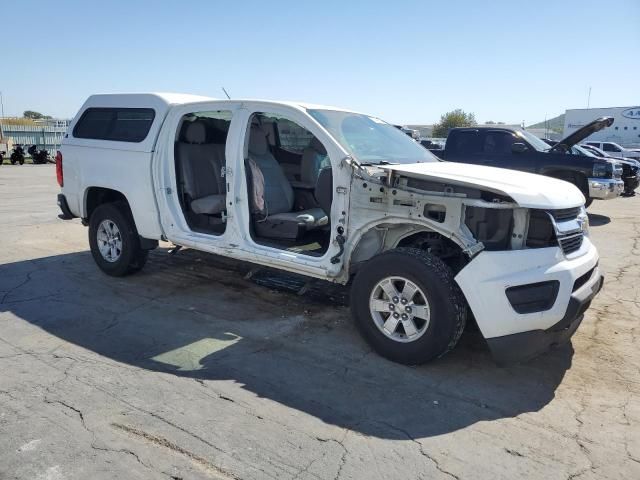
x: 168, y: 190
x: 224, y: 171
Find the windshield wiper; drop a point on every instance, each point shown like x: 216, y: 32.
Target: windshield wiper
x: 381, y: 162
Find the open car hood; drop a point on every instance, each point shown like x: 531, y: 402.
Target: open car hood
x: 526, y: 189
x: 582, y: 133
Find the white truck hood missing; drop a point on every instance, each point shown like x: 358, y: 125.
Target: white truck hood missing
x: 527, y: 189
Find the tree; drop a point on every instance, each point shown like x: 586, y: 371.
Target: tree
x: 34, y: 115
x: 455, y: 118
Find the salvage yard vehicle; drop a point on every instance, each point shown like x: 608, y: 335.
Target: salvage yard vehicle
x: 17, y: 156
x: 630, y: 168
x: 38, y: 157
x: 616, y: 150
x: 508, y: 147
x: 340, y: 196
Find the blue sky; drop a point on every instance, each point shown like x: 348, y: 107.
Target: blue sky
x: 405, y: 61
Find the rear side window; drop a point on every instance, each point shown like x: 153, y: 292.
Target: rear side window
x: 465, y: 142
x: 115, y: 124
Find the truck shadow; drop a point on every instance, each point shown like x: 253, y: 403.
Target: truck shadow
x: 194, y: 315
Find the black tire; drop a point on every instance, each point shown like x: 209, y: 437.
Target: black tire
x: 447, y: 304
x: 132, y: 258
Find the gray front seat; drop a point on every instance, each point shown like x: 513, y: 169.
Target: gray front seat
x: 314, y: 159
x: 201, y: 170
x: 276, y: 218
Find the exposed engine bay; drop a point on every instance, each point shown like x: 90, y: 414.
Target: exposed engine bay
x: 454, y: 222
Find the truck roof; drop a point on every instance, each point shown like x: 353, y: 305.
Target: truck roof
x: 116, y: 99
x: 161, y: 104
x: 167, y: 99
x: 489, y: 127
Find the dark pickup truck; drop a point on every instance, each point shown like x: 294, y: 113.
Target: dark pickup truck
x: 517, y: 149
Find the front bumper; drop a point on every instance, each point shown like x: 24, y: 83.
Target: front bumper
x: 605, y: 188
x: 485, y: 280
x: 523, y: 346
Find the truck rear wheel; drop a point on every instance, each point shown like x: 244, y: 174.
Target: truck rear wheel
x: 114, y: 240
x: 407, y: 306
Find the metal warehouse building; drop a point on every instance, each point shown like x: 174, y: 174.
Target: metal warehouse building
x: 45, y: 134
x: 625, y: 130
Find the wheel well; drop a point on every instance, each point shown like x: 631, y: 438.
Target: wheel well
x: 96, y: 196
x: 438, y: 245
x: 385, y: 237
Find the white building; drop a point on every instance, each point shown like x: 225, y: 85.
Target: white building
x: 625, y: 130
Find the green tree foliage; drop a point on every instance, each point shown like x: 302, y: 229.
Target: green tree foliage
x: 34, y: 115
x: 455, y: 118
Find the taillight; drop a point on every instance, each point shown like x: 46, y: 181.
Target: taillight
x: 59, y: 174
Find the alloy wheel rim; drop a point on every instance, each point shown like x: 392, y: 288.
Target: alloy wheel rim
x: 109, y: 241
x: 400, y: 309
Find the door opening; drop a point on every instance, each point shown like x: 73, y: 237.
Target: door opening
x: 289, y: 180
x: 200, y: 169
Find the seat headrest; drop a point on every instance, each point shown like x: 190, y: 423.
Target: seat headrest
x: 257, y: 141
x: 316, y: 145
x: 196, y: 132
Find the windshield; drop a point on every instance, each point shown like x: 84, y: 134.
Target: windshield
x: 577, y: 150
x: 371, y: 140
x: 534, y: 141
x: 596, y: 150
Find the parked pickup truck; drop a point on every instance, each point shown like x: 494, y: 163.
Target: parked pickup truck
x: 514, y: 148
x: 616, y: 150
x: 338, y: 196
x: 630, y: 168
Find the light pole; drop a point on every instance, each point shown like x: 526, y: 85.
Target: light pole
x: 1, y: 118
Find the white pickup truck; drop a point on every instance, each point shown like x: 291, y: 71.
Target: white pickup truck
x: 339, y: 196
x: 615, y: 150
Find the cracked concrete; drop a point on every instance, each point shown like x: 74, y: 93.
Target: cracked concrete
x: 190, y: 371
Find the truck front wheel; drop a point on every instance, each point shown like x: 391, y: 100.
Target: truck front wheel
x: 114, y: 240
x: 407, y: 306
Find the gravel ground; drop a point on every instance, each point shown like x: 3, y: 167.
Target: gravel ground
x: 189, y: 371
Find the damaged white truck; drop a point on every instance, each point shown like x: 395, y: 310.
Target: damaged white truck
x: 338, y: 196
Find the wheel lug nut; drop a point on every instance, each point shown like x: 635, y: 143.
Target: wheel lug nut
x: 407, y: 309
x: 396, y: 315
x: 395, y: 299
x: 405, y: 316
x: 392, y: 306
x: 404, y: 301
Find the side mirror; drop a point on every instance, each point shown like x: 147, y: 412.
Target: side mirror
x: 518, y: 147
